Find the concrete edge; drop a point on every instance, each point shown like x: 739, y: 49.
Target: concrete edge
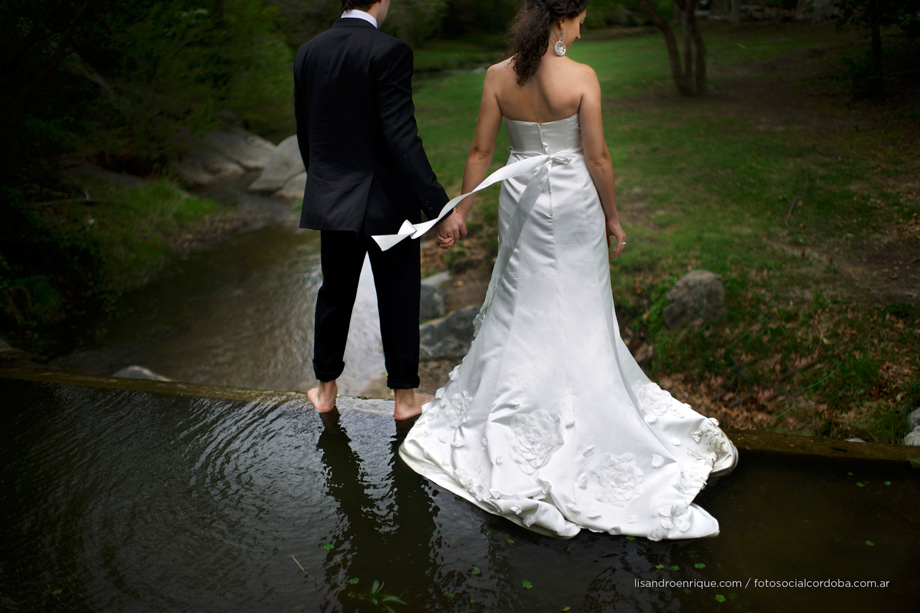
x: 188, y: 390
x: 759, y: 442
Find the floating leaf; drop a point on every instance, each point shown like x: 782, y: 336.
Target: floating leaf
x: 659, y: 566
x: 887, y: 482
x: 476, y: 570
x: 720, y: 598
x: 630, y: 538
x: 354, y: 581
x: 57, y: 592
x: 849, y: 474
x: 510, y: 541
x: 870, y: 543
x: 699, y: 565
x: 566, y: 608
x: 527, y: 585
x: 914, y: 462
x: 860, y: 484
x: 675, y: 567
x: 328, y: 546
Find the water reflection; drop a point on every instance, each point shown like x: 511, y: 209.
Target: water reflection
x: 132, y: 501
x: 395, y: 519
x: 239, y: 314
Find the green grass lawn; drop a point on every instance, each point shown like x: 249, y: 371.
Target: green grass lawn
x: 799, y: 196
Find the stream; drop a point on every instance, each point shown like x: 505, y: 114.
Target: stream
x: 239, y: 313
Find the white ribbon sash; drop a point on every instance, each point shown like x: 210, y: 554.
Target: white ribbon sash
x: 516, y: 169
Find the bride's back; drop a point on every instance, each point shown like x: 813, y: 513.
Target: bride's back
x: 554, y: 92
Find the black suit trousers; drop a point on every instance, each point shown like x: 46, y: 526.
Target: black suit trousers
x: 396, y: 278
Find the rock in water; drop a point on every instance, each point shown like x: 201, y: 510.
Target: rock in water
x: 202, y: 164
x: 433, y: 302
x: 449, y: 337
x: 698, y: 297
x: 292, y: 189
x: 283, y: 165
x: 245, y: 148
x: 140, y: 372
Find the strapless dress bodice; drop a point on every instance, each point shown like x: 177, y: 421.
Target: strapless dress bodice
x: 549, y: 137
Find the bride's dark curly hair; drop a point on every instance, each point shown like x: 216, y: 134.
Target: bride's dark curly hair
x: 530, y: 32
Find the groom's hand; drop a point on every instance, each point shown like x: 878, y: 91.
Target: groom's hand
x: 451, y: 229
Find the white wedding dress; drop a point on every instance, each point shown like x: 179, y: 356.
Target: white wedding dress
x: 549, y: 421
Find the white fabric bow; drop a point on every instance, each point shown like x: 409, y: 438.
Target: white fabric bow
x: 531, y: 163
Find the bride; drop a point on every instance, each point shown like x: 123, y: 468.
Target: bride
x: 549, y: 421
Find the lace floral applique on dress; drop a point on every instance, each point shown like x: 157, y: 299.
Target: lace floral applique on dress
x: 618, y: 479
x: 535, y: 437
x: 672, y: 515
x: 456, y: 409
x: 656, y: 402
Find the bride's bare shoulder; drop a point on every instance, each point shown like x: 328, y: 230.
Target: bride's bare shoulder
x: 582, y: 71
x: 503, y: 68
x: 499, y: 75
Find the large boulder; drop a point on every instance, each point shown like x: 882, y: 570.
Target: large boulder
x: 698, y: 297
x: 913, y: 438
x: 283, y: 165
x: 202, y: 164
x: 433, y: 302
x: 293, y: 188
x: 245, y: 148
x: 913, y: 419
x: 448, y: 337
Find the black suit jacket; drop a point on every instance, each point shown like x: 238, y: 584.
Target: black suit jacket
x: 366, y: 168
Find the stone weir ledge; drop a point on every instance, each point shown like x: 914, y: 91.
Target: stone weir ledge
x: 753, y: 444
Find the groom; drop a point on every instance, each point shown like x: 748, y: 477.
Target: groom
x: 367, y: 173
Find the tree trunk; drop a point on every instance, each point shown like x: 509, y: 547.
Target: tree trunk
x: 875, y: 57
x: 683, y: 86
x: 736, y: 11
x: 700, y: 47
x: 686, y: 11
x: 720, y: 8
x: 219, y: 14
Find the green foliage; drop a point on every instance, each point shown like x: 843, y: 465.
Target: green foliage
x: 478, y: 16
x: 415, y: 21
x: 120, y: 81
x: 59, y: 260
x: 380, y: 599
x: 702, y: 185
x: 902, y: 13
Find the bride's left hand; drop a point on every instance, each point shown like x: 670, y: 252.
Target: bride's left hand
x: 451, y: 229
x: 614, y: 229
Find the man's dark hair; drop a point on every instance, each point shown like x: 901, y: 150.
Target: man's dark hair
x: 361, y: 5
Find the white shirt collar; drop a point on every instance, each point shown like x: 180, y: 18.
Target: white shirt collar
x: 356, y: 14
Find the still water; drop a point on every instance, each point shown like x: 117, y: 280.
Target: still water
x: 130, y: 501
x: 239, y: 313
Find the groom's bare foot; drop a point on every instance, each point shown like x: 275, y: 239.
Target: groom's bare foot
x: 323, y: 396
x: 409, y: 404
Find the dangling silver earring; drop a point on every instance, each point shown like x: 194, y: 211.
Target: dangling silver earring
x: 559, y: 48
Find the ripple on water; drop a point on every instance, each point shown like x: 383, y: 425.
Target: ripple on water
x: 132, y: 501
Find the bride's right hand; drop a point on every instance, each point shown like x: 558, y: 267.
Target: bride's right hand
x: 614, y: 229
